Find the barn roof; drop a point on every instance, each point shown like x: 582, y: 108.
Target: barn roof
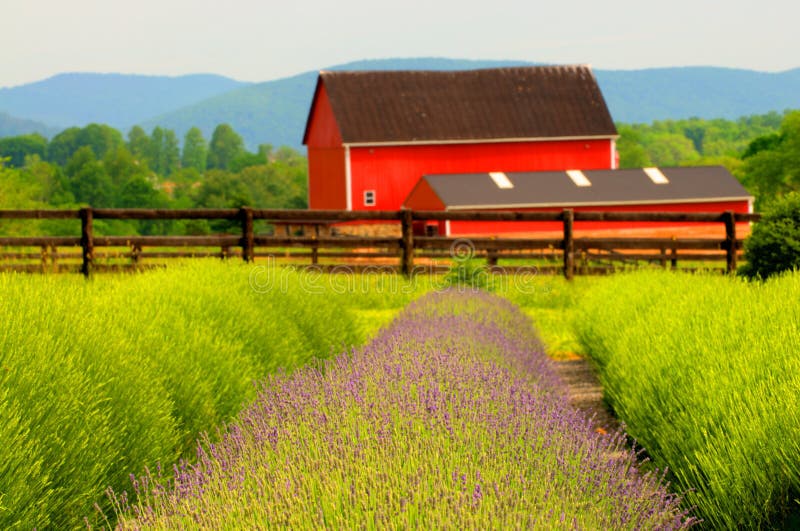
x: 582, y: 188
x: 515, y: 103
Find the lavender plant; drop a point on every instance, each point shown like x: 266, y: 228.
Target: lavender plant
x: 704, y: 371
x: 99, y: 379
x: 449, y: 418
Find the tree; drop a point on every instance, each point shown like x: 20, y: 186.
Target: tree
x: 225, y: 146
x: 195, y: 150
x: 63, y: 146
x: 50, y: 179
x: 164, y: 151
x: 17, y: 148
x: 772, y: 162
x: 138, y: 142
x: 629, y: 146
x: 172, y: 153
x: 121, y: 166
x: 245, y: 159
x: 100, y: 138
x: 88, y: 180
x: 672, y: 149
x: 156, y: 152
x: 222, y: 189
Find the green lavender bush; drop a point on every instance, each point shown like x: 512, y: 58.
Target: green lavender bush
x: 100, y: 379
x: 705, y: 372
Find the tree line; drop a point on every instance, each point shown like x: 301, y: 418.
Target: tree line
x: 762, y: 151
x: 95, y: 165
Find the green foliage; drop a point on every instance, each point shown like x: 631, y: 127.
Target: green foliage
x: 91, y: 391
x: 468, y: 274
x: 99, y: 138
x: 690, y: 141
x: 226, y: 145
x: 774, y: 245
x: 704, y: 372
x: 18, y: 148
x: 772, y: 162
x: 138, y: 143
x: 88, y: 180
x: 195, y: 150
x: 246, y: 160
x: 632, y: 153
x: 163, y: 153
x: 93, y: 166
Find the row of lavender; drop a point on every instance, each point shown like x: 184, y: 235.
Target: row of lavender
x: 450, y: 417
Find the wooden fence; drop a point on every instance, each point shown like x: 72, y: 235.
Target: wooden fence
x: 317, y: 243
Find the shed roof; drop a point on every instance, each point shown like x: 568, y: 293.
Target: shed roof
x: 606, y: 187
x: 530, y: 102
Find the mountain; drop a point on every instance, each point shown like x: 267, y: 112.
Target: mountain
x: 119, y: 100
x: 12, y: 126
x: 641, y: 96
x: 275, y: 112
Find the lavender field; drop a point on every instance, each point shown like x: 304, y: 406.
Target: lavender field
x: 450, y: 417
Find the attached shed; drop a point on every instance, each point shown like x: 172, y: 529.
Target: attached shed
x: 684, y: 189
x: 372, y: 135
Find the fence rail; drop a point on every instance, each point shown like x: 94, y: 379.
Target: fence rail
x: 576, y: 254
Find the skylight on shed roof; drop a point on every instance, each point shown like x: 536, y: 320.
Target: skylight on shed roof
x: 501, y: 180
x: 578, y: 178
x: 656, y: 175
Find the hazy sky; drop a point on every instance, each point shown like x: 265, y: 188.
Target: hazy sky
x: 254, y: 40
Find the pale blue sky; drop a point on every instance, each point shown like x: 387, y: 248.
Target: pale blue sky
x: 254, y: 40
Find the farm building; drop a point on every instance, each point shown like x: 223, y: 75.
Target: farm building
x: 686, y: 189
x: 371, y: 136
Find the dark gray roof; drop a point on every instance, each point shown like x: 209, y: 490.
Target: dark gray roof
x: 556, y: 188
x: 484, y: 104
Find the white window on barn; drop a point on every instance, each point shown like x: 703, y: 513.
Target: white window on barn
x: 369, y: 197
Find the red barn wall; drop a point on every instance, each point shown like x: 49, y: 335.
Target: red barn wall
x: 498, y: 227
x: 326, y: 157
x: 327, y: 178
x: 392, y: 171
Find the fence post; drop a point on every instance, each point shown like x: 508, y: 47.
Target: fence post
x: 136, y: 250
x: 248, y: 239
x: 407, y: 230
x: 315, y: 246
x: 87, y: 240
x: 491, y: 258
x: 569, y: 243
x: 730, y: 241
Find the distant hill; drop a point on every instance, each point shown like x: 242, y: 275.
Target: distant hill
x: 12, y: 126
x: 274, y: 112
x: 119, y: 100
x: 641, y: 96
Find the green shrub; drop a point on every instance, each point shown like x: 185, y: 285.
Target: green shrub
x: 468, y: 274
x: 704, y: 372
x: 774, y: 245
x: 101, y: 379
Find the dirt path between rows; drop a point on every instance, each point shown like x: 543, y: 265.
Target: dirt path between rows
x: 585, y: 392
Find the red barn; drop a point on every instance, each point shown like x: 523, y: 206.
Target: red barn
x: 686, y: 189
x: 371, y: 136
